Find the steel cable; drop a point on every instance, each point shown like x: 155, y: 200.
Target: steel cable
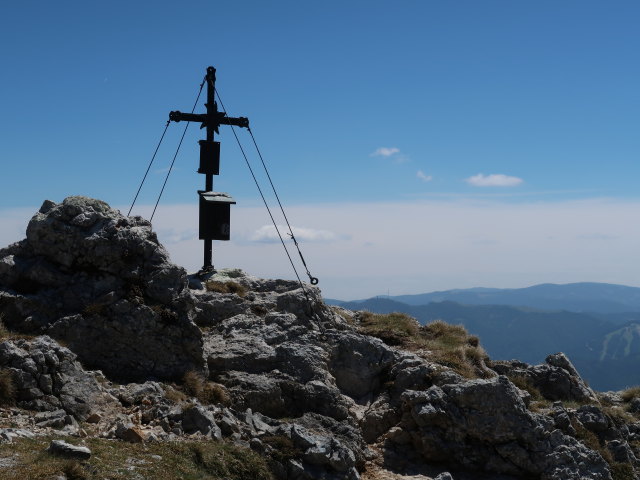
x: 264, y: 200
x: 148, y: 168
x: 176, y: 154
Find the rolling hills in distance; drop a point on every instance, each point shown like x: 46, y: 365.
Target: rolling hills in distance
x: 596, y: 324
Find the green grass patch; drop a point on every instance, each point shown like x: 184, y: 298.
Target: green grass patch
x: 116, y: 460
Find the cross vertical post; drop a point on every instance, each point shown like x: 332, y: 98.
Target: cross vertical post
x: 214, y: 207
x: 211, y: 108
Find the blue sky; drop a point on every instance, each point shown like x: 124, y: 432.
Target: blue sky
x: 387, y: 126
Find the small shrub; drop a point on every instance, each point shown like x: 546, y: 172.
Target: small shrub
x: 7, y: 387
x: 630, y: 393
x: 226, y: 287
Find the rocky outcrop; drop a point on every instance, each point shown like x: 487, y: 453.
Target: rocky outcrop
x: 47, y: 377
x: 102, y: 283
x: 556, y: 379
x: 484, y: 425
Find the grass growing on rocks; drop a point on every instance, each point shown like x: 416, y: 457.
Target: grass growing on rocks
x: 630, y: 393
x: 207, y: 392
x: 226, y: 287
x: 438, y: 341
x: 6, y: 334
x: 116, y: 460
x: 7, y: 388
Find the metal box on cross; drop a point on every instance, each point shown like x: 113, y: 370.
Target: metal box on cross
x: 209, y: 157
x: 215, y: 215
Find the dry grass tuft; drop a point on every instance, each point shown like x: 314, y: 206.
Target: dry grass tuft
x: 75, y: 471
x: 630, y: 393
x: 226, y: 287
x: 283, y: 448
x: 204, y: 460
x: 174, y: 395
x: 618, y: 415
x: 393, y: 328
x: 6, y: 334
x: 7, y: 388
x: 207, y: 392
x: 523, y: 382
x: 448, y: 345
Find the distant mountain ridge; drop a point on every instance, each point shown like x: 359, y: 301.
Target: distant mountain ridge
x: 594, y: 324
x: 574, y: 297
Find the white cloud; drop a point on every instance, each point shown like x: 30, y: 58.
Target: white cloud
x: 493, y: 180
x: 385, y: 152
x: 423, y: 176
x: 268, y: 234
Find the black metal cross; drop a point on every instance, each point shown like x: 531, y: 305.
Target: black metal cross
x: 211, y: 203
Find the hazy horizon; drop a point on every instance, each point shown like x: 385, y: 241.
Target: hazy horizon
x: 418, y: 146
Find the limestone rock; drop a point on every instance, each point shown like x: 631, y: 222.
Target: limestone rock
x: 64, y: 449
x: 484, y: 425
x: 556, y: 379
x: 101, y: 282
x: 48, y: 378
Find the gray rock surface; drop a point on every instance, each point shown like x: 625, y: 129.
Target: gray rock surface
x: 49, y: 378
x: 485, y: 425
x: 64, y: 449
x: 556, y: 379
x: 102, y: 283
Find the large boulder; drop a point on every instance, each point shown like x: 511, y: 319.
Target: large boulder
x: 556, y: 379
x: 484, y: 425
x: 103, y: 284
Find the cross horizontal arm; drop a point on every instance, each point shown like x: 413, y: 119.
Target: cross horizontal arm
x: 219, y: 118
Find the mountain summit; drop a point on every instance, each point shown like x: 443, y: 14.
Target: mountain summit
x: 109, y: 345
